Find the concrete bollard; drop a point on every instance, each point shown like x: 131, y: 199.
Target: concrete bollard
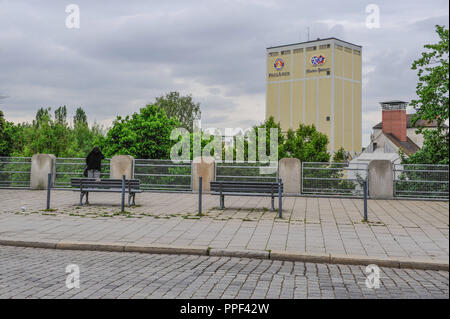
x: 41, y: 166
x: 122, y: 165
x: 204, y: 167
x: 289, y: 171
x: 381, y: 177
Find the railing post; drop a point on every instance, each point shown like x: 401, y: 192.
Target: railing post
x: 123, y: 194
x: 49, y: 186
x: 280, y: 200
x: 200, y: 187
x: 365, y: 200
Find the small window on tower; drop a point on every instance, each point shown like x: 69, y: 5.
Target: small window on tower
x: 328, y: 72
x: 328, y: 118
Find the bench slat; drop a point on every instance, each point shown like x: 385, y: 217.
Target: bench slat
x: 110, y: 190
x: 245, y: 188
x: 104, y: 184
x: 245, y: 194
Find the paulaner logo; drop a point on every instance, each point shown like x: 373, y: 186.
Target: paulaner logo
x: 279, y: 64
x: 318, y: 60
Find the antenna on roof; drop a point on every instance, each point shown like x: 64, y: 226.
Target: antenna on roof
x: 307, y: 28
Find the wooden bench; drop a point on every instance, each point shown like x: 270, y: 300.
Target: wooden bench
x: 268, y: 189
x: 88, y: 185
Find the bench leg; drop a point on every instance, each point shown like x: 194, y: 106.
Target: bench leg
x: 131, y: 199
x: 81, y: 198
x: 273, y: 204
x: 87, y: 198
x: 222, y: 202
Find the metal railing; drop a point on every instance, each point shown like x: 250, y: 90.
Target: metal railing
x: 336, y: 179
x: 15, y: 172
x: 163, y: 175
x: 247, y: 172
x: 421, y: 181
x: 67, y: 168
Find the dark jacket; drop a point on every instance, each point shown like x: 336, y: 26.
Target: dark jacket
x: 94, y: 159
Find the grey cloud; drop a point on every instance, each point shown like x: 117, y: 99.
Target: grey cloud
x: 128, y: 52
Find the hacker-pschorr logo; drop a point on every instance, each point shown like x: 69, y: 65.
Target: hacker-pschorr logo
x: 318, y: 60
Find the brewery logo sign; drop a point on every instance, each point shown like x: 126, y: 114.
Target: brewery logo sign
x: 279, y: 64
x: 318, y: 60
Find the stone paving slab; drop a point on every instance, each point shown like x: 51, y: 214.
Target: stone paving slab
x: 396, y: 228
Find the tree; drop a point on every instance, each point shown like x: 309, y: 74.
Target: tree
x: 268, y: 125
x: 6, y: 141
x: 80, y: 118
x: 307, y: 144
x: 182, y: 108
x: 143, y: 135
x: 83, y: 138
x: 340, y: 156
x: 61, y: 115
x: 433, y: 100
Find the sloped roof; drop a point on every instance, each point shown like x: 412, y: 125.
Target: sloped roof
x: 419, y: 123
x: 409, y: 147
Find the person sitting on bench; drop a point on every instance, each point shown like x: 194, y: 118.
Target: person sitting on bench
x: 94, y: 163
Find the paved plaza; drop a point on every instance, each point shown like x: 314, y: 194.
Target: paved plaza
x: 41, y: 273
x: 396, y: 228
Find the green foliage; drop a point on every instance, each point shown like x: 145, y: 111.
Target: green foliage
x: 183, y: 108
x: 435, y: 150
x: 307, y: 144
x: 80, y: 118
x: 340, y: 156
x: 143, y: 135
x: 422, y: 181
x: 432, y: 103
x: 268, y: 125
x: 51, y: 136
x: 6, y: 137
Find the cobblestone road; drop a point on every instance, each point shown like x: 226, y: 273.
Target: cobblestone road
x: 41, y: 273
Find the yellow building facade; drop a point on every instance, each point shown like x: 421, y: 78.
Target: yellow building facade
x: 317, y: 82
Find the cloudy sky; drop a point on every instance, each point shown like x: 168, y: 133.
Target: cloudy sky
x: 126, y: 53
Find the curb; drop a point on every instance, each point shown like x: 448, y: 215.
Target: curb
x: 259, y: 254
x: 427, y: 264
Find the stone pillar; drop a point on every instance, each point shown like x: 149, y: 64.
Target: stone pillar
x: 41, y: 166
x: 204, y: 167
x: 289, y: 170
x: 121, y: 165
x: 381, y: 184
